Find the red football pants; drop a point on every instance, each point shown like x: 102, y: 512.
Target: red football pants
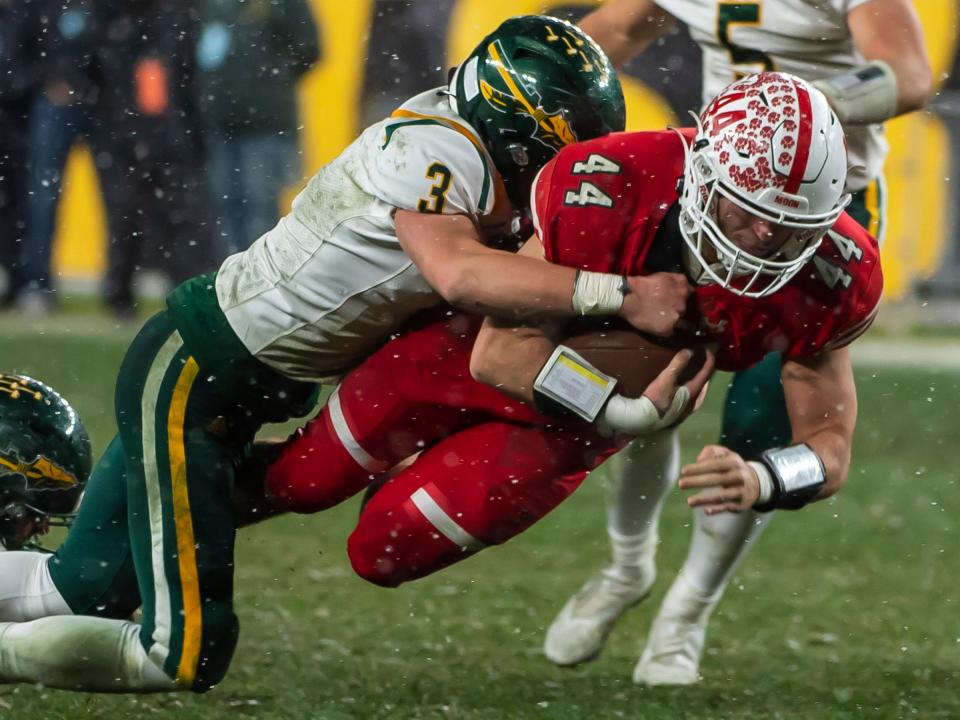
x: 489, y: 466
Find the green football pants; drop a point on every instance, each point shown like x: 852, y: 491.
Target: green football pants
x: 156, y: 526
x: 755, y: 411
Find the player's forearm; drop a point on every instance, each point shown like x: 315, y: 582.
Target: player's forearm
x: 450, y: 253
x: 890, y: 30
x: 509, y: 357
x: 821, y: 401
x: 625, y: 28
x: 914, y: 83
x: 832, y: 446
x: 491, y: 282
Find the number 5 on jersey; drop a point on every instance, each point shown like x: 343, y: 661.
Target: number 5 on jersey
x: 588, y: 193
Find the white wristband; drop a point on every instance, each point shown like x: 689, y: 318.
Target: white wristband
x: 597, y: 293
x: 766, y: 481
x: 867, y: 94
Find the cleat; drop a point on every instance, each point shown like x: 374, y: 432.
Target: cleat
x: 672, y: 654
x: 579, y: 632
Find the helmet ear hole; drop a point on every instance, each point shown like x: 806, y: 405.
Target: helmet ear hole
x: 519, y: 155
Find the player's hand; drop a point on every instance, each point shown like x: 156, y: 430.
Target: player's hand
x: 663, y: 404
x: 655, y: 303
x: 663, y: 390
x: 725, y: 481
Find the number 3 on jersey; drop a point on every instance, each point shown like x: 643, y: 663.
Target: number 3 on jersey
x: 438, y: 193
x: 588, y: 193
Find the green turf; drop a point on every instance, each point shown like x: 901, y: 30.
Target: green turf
x: 845, y: 610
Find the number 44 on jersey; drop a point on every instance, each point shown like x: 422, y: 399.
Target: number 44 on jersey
x: 587, y: 193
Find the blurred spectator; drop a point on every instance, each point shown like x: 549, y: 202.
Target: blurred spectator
x: 249, y: 57
x: 61, y: 111
x: 18, y: 51
x: 148, y: 146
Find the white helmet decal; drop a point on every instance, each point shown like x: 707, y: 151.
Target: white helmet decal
x: 771, y: 145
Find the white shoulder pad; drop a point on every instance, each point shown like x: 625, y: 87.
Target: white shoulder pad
x: 425, y: 165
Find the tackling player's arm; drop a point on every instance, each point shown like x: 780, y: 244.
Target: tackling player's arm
x: 450, y: 253
x: 822, y: 405
x: 625, y: 28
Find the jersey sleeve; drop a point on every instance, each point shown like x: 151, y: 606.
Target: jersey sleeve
x: 427, y: 166
x: 851, y: 260
x: 864, y: 301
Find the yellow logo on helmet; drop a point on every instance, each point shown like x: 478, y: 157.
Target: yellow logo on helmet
x: 574, y: 45
x: 42, y: 471
x: 553, y: 130
x: 14, y: 386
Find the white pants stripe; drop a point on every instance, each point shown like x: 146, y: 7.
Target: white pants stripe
x: 346, y: 438
x: 148, y: 412
x: 444, y: 524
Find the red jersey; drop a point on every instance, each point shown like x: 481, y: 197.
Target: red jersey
x: 610, y: 205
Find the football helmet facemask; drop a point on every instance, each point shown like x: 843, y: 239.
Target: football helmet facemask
x: 45, y: 460
x: 532, y: 86
x: 771, y: 145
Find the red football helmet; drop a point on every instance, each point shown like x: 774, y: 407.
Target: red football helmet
x: 770, y: 144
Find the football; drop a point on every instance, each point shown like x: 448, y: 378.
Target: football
x: 633, y: 358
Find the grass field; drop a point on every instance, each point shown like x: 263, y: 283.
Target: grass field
x: 848, y: 609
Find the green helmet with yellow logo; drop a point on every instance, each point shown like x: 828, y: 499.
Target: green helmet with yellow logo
x: 533, y: 85
x: 45, y: 458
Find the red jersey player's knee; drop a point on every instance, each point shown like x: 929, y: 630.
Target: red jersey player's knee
x: 395, y: 544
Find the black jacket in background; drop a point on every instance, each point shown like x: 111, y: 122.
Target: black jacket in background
x: 249, y: 58
x: 19, y: 48
x: 148, y: 44
x: 70, y: 32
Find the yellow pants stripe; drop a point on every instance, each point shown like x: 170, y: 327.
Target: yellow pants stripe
x: 183, y: 521
x: 872, y: 199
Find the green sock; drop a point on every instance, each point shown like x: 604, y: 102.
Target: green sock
x: 755, y: 411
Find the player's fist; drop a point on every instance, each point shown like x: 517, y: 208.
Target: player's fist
x: 655, y: 303
x: 724, y: 480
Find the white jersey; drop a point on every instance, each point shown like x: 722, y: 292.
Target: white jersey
x: 807, y: 38
x: 320, y: 291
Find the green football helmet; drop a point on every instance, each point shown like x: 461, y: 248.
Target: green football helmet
x: 532, y: 86
x: 45, y: 459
